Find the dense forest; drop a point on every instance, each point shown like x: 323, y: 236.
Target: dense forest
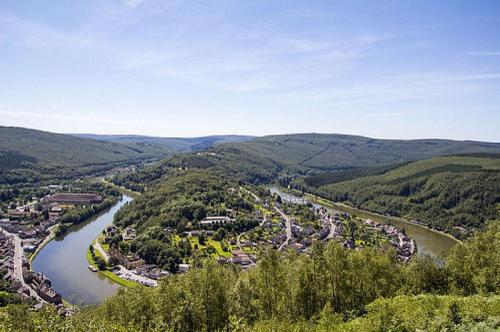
x: 453, y: 194
x: 33, y: 156
x: 266, y: 159
x: 332, y: 289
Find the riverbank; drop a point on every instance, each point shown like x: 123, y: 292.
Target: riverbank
x: 48, y: 238
x: 353, y: 210
x: 65, y: 261
x: 109, y: 274
x: 123, y: 190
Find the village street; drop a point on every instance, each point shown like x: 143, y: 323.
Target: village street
x: 288, y: 223
x: 333, y: 228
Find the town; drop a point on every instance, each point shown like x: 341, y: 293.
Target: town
x: 26, y: 230
x: 285, y: 224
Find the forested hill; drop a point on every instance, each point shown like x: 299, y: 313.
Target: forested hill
x: 21, y: 146
x: 455, y: 194
x: 333, y: 151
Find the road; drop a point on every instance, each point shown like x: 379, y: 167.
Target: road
x: 238, y: 238
x: 288, y: 224
x: 257, y: 199
x: 332, y: 230
x: 101, y: 250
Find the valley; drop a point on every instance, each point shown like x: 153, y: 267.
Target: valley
x: 277, y: 211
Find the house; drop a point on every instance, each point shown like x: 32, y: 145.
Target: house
x: 240, y: 257
x: 129, y: 234
x: 17, y: 215
x: 222, y: 260
x: 298, y: 247
x: 30, y: 248
x: 131, y: 262
x: 49, y: 294
x: 216, y: 220
x: 27, y: 234
x: 183, y: 267
x: 54, y: 187
x: 53, y: 215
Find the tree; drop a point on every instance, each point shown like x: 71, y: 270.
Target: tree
x: 220, y: 234
x: 124, y: 247
x: 150, y: 250
x: 113, y: 261
x: 101, y: 264
x: 201, y: 239
x: 352, y: 228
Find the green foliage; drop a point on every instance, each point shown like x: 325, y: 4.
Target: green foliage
x: 8, y: 298
x: 179, y: 202
x: 324, y: 179
x: 475, y: 266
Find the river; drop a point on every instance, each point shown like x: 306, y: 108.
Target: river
x: 428, y: 240
x: 64, y: 261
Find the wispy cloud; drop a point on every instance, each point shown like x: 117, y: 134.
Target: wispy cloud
x: 133, y: 3
x: 258, y: 59
x: 388, y: 89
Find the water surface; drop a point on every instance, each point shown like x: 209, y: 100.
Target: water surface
x: 64, y: 261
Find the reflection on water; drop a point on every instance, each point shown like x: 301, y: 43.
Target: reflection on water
x: 64, y: 261
x: 428, y: 241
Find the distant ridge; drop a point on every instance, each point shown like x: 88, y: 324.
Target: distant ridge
x: 337, y: 151
x: 173, y: 144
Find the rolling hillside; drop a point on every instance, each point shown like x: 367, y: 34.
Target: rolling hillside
x: 447, y: 193
x: 20, y: 146
x: 322, y: 152
x: 269, y: 158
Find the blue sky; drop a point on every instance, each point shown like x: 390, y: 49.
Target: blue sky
x: 388, y: 69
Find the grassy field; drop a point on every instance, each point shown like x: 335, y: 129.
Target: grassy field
x: 217, y: 245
